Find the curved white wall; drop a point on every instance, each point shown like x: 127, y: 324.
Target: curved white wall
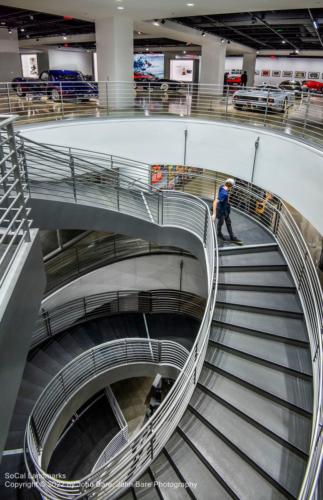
x: 285, y: 166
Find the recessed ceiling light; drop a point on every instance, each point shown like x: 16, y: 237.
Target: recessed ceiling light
x: 64, y: 37
x: 283, y: 41
x: 3, y: 23
x: 10, y: 32
x: 222, y: 40
x: 120, y: 7
x: 257, y: 52
x: 184, y: 51
x: 297, y: 51
x: 147, y: 49
x: 203, y: 34
x: 27, y: 36
x: 190, y: 4
x: 139, y: 32
x: 155, y: 23
x: 22, y: 29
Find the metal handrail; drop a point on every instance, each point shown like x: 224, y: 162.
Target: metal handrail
x: 78, y: 260
x: 277, y: 219
x: 80, y: 371
x: 70, y: 177
x: 14, y: 223
x: 294, y: 114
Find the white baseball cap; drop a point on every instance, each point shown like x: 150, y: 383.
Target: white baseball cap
x: 230, y: 181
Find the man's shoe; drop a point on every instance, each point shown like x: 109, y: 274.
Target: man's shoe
x: 220, y: 235
x: 234, y: 238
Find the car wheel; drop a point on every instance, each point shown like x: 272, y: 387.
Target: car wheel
x: 55, y: 95
x: 237, y: 106
x: 19, y: 91
x: 164, y: 87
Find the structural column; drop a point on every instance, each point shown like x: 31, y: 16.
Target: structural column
x: 213, y: 62
x: 114, y: 43
x: 249, y: 65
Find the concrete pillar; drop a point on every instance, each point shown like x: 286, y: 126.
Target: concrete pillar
x: 10, y: 62
x: 249, y: 65
x: 213, y: 62
x: 114, y: 45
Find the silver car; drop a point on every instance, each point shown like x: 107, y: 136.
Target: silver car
x: 262, y: 97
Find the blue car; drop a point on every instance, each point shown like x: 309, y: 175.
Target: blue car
x: 58, y: 85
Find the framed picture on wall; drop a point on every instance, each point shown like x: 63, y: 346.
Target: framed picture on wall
x: 265, y: 72
x: 287, y: 74
x: 29, y: 65
x: 276, y: 73
x: 300, y: 74
x: 313, y: 75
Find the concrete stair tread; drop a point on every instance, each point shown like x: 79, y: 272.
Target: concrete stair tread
x: 242, y: 478
x: 68, y: 343
x: 164, y: 473
x: 46, y: 362
x: 281, y: 464
x: 289, y: 356
x: 285, y: 301
x: 144, y: 488
x: 251, y: 258
x: 28, y: 390
x: 291, y: 389
x: 83, y: 338
x: 36, y: 375
x: 257, y: 278
x: 292, y: 328
x: 55, y: 350
x: 194, y: 471
x: 284, y: 422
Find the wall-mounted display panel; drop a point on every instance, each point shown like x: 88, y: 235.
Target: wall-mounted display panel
x: 300, y: 74
x: 313, y: 75
x: 29, y: 65
x: 276, y: 73
x: 287, y: 74
x: 181, y: 70
x: 265, y: 72
x: 149, y: 64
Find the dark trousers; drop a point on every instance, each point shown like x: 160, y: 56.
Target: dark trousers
x: 227, y: 220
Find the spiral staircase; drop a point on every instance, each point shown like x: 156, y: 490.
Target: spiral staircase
x: 240, y: 423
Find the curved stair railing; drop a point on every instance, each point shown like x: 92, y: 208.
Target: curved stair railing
x: 68, y: 382
x: 70, y: 177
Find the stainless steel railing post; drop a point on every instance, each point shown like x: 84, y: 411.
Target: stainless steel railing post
x: 72, y: 167
x: 306, y: 114
x: 266, y: 110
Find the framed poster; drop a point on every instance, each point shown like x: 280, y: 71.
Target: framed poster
x: 276, y: 73
x: 148, y: 64
x: 265, y: 72
x: 29, y: 65
x: 181, y: 70
x: 313, y: 75
x: 287, y: 74
x: 300, y: 74
x: 236, y: 72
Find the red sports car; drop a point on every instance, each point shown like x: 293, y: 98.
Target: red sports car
x: 312, y: 86
x: 233, y: 80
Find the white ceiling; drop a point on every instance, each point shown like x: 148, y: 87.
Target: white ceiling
x: 154, y: 9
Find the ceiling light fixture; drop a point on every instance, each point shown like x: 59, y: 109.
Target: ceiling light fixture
x: 190, y: 4
x: 3, y: 23
x: 315, y: 25
x: 120, y: 7
x: 64, y: 37
x: 156, y: 23
x: 10, y: 32
x: 284, y: 41
x: 222, y: 40
x: 139, y: 32
x: 257, y: 52
x: 22, y: 29
x: 27, y: 36
x: 31, y: 17
x: 297, y: 51
x: 147, y: 49
x: 203, y: 33
x: 184, y: 51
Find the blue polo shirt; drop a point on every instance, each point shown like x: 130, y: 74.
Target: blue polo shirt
x: 223, y: 206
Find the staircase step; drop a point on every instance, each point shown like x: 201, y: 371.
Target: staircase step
x: 29, y: 390
x: 278, y: 325
x: 35, y: 375
x: 56, y: 351
x: 279, y: 463
x: 164, y: 473
x: 289, y: 356
x: 277, y: 279
x: 205, y: 486
x: 243, y: 479
x: 83, y: 338
x: 285, y: 303
x: 68, y: 343
x: 279, y: 420
x: 254, y: 259
x: 46, y: 362
x: 289, y: 389
x: 144, y: 488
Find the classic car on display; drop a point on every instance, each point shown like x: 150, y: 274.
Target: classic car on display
x: 292, y: 86
x: 58, y: 85
x: 312, y: 86
x: 148, y: 81
x: 263, y: 97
